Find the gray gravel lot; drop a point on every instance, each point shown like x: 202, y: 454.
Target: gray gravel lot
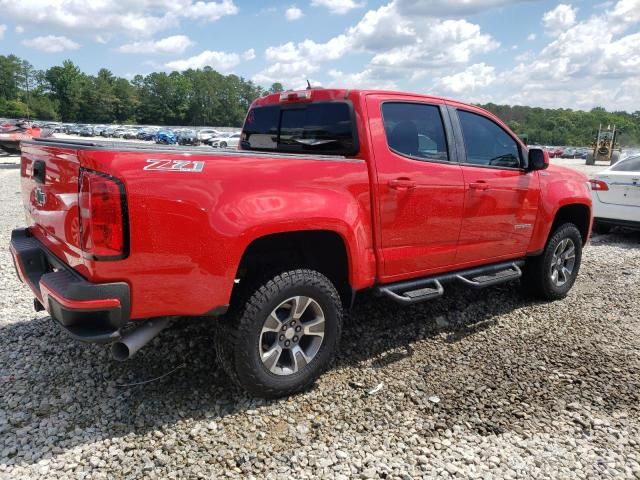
x: 476, y: 384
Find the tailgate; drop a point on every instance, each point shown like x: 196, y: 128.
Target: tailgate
x: 49, y: 177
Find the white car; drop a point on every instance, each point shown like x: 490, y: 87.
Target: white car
x: 230, y: 141
x: 616, y: 195
x: 205, y: 134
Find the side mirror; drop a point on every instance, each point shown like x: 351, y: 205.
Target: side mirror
x: 538, y: 159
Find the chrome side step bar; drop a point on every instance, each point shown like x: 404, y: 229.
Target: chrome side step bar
x: 419, y: 290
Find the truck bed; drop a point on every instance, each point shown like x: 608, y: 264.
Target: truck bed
x: 121, y: 146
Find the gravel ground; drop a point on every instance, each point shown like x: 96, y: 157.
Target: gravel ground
x: 476, y: 384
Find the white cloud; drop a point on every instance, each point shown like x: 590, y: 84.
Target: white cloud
x: 396, y: 41
x: 310, y: 50
x: 470, y: 79
x: 560, y: 18
x: 293, y: 74
x: 3, y: 29
x: 338, y: 7
x: 368, y: 78
x: 171, y: 45
x: 112, y: 17
x: 531, y: 37
x: 221, y: 61
x: 249, y: 54
x: 210, y: 11
x: 19, y: 29
x: 293, y: 13
x: 450, y: 8
x: 577, y: 69
x: 51, y: 44
x: 444, y: 43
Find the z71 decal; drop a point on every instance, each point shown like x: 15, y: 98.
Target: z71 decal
x: 175, y: 165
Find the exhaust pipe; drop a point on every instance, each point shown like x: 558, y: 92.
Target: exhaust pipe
x: 131, y: 342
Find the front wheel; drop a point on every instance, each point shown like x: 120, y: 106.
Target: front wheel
x: 284, y: 335
x: 551, y: 275
x: 223, y: 144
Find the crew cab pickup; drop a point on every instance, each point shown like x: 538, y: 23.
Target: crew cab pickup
x: 330, y: 192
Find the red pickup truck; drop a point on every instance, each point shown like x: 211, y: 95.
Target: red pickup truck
x: 330, y: 192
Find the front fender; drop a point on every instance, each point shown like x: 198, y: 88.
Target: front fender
x: 559, y: 187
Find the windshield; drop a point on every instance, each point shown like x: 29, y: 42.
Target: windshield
x: 322, y: 127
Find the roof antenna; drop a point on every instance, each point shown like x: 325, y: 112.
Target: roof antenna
x: 308, y: 85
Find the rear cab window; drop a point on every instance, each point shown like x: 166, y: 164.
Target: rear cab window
x: 316, y: 128
x: 415, y: 130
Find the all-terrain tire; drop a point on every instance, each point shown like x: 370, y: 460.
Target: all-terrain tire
x: 615, y: 157
x: 239, y: 333
x: 536, y: 276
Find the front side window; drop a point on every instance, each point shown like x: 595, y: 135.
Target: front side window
x: 415, y: 130
x: 486, y: 143
x: 322, y: 127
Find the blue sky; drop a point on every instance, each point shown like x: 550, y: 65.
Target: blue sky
x: 544, y: 53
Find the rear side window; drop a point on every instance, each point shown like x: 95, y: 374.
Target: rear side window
x: 487, y: 143
x: 322, y: 127
x: 415, y: 130
x: 629, y: 165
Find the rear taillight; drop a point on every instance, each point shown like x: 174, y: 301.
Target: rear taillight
x: 598, y: 185
x: 103, y: 232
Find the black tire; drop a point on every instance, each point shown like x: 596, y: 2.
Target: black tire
x: 615, y: 157
x: 223, y: 144
x: 536, y: 278
x: 239, y: 335
x: 601, y: 228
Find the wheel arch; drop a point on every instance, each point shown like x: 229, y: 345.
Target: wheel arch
x: 577, y: 213
x: 325, y: 251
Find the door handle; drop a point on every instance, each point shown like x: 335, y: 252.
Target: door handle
x: 402, y: 184
x: 479, y: 185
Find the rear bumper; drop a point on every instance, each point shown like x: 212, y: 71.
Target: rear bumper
x: 89, y: 312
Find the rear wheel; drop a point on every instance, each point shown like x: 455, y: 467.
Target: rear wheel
x: 223, y: 144
x: 551, y: 275
x: 284, y: 335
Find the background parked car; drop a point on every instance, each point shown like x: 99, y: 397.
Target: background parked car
x: 188, y: 137
x: 230, y: 141
x: 130, y: 133
x: 555, y: 152
x: 616, y: 195
x: 86, y: 131
x: 166, y: 137
x: 205, y: 134
x: 119, y: 132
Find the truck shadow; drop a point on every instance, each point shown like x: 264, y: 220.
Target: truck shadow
x: 78, y: 395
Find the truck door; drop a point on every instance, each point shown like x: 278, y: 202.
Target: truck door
x: 501, y: 197
x: 420, y: 188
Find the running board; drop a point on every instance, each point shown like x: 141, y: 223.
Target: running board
x: 419, y: 290
x: 492, y: 278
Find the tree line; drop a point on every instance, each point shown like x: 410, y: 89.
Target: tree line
x: 65, y: 93
x: 206, y: 97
